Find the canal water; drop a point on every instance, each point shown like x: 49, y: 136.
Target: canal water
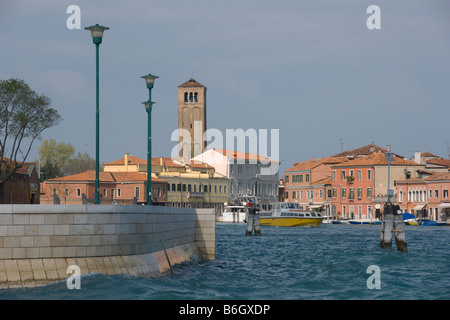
x: 329, y: 262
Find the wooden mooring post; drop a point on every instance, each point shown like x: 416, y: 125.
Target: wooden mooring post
x: 392, y: 223
x: 253, y: 227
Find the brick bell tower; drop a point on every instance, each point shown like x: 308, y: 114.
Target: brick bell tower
x: 192, y: 118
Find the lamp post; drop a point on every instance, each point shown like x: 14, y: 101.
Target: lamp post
x: 389, y: 157
x: 149, y: 80
x: 97, y: 35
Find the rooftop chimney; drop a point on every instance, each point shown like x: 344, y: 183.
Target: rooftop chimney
x: 417, y: 157
x: 126, y: 162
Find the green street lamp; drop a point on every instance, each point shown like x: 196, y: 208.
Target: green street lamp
x: 149, y: 80
x: 97, y: 35
x: 389, y: 158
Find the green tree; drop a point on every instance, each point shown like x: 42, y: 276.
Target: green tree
x: 54, y: 158
x: 24, y: 115
x: 80, y: 163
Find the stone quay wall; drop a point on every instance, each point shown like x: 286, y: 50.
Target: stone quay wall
x: 38, y: 243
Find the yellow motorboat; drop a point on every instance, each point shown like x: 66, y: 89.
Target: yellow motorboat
x: 289, y: 214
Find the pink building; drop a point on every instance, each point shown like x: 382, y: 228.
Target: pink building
x: 426, y: 196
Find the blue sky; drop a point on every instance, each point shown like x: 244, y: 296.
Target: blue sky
x: 311, y: 69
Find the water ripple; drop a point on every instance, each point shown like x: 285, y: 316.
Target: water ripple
x: 327, y: 262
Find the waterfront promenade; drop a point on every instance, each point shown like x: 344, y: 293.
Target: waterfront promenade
x: 39, y: 243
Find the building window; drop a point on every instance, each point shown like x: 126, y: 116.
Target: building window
x: 436, y: 194
x: 293, y: 194
x: 344, y: 193
x: 359, y: 175
x: 351, y: 193
x: 359, y: 193
x: 369, y: 174
x: 321, y: 193
x: 307, y: 177
x: 112, y: 193
x: 184, y: 187
x: 179, y: 187
x: 136, y: 192
x: 186, y: 95
x: 78, y: 192
x: 196, y: 97
x: 287, y: 179
x: 369, y: 193
x: 119, y: 192
x: 430, y: 194
x: 445, y: 194
x: 301, y: 194
x: 173, y: 187
x: 351, y: 173
x: 343, y: 174
x: 189, y: 188
x: 104, y: 193
x: 334, y: 192
x: 66, y: 192
x: 334, y: 175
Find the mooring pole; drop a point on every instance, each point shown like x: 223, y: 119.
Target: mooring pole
x: 253, y: 226
x: 392, y: 223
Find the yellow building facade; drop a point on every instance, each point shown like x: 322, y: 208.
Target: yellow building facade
x: 190, y: 184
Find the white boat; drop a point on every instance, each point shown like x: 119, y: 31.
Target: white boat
x: 236, y: 211
x: 233, y: 214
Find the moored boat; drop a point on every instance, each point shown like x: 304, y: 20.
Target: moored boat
x: 233, y: 214
x: 289, y: 214
x: 236, y: 211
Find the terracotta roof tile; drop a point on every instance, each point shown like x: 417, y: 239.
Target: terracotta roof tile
x: 440, y: 161
x: 435, y: 176
x: 428, y: 155
x: 377, y: 159
x: 312, y: 163
x: 132, y: 160
x: 112, y: 177
x: 363, y: 151
x: 191, y: 83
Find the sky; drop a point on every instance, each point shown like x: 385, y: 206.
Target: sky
x: 310, y: 69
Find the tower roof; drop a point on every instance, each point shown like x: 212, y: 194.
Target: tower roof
x: 191, y: 83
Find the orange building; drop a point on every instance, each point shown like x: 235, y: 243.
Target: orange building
x: 115, y: 187
x: 309, y: 183
x: 360, y: 185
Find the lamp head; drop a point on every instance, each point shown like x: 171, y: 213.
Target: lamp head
x: 97, y: 33
x: 150, y: 80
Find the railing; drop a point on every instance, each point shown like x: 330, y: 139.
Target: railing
x: 196, y: 194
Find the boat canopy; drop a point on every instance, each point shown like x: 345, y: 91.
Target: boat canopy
x: 407, y: 215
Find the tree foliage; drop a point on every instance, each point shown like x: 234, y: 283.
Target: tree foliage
x: 24, y: 115
x: 54, y: 156
x: 57, y: 160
